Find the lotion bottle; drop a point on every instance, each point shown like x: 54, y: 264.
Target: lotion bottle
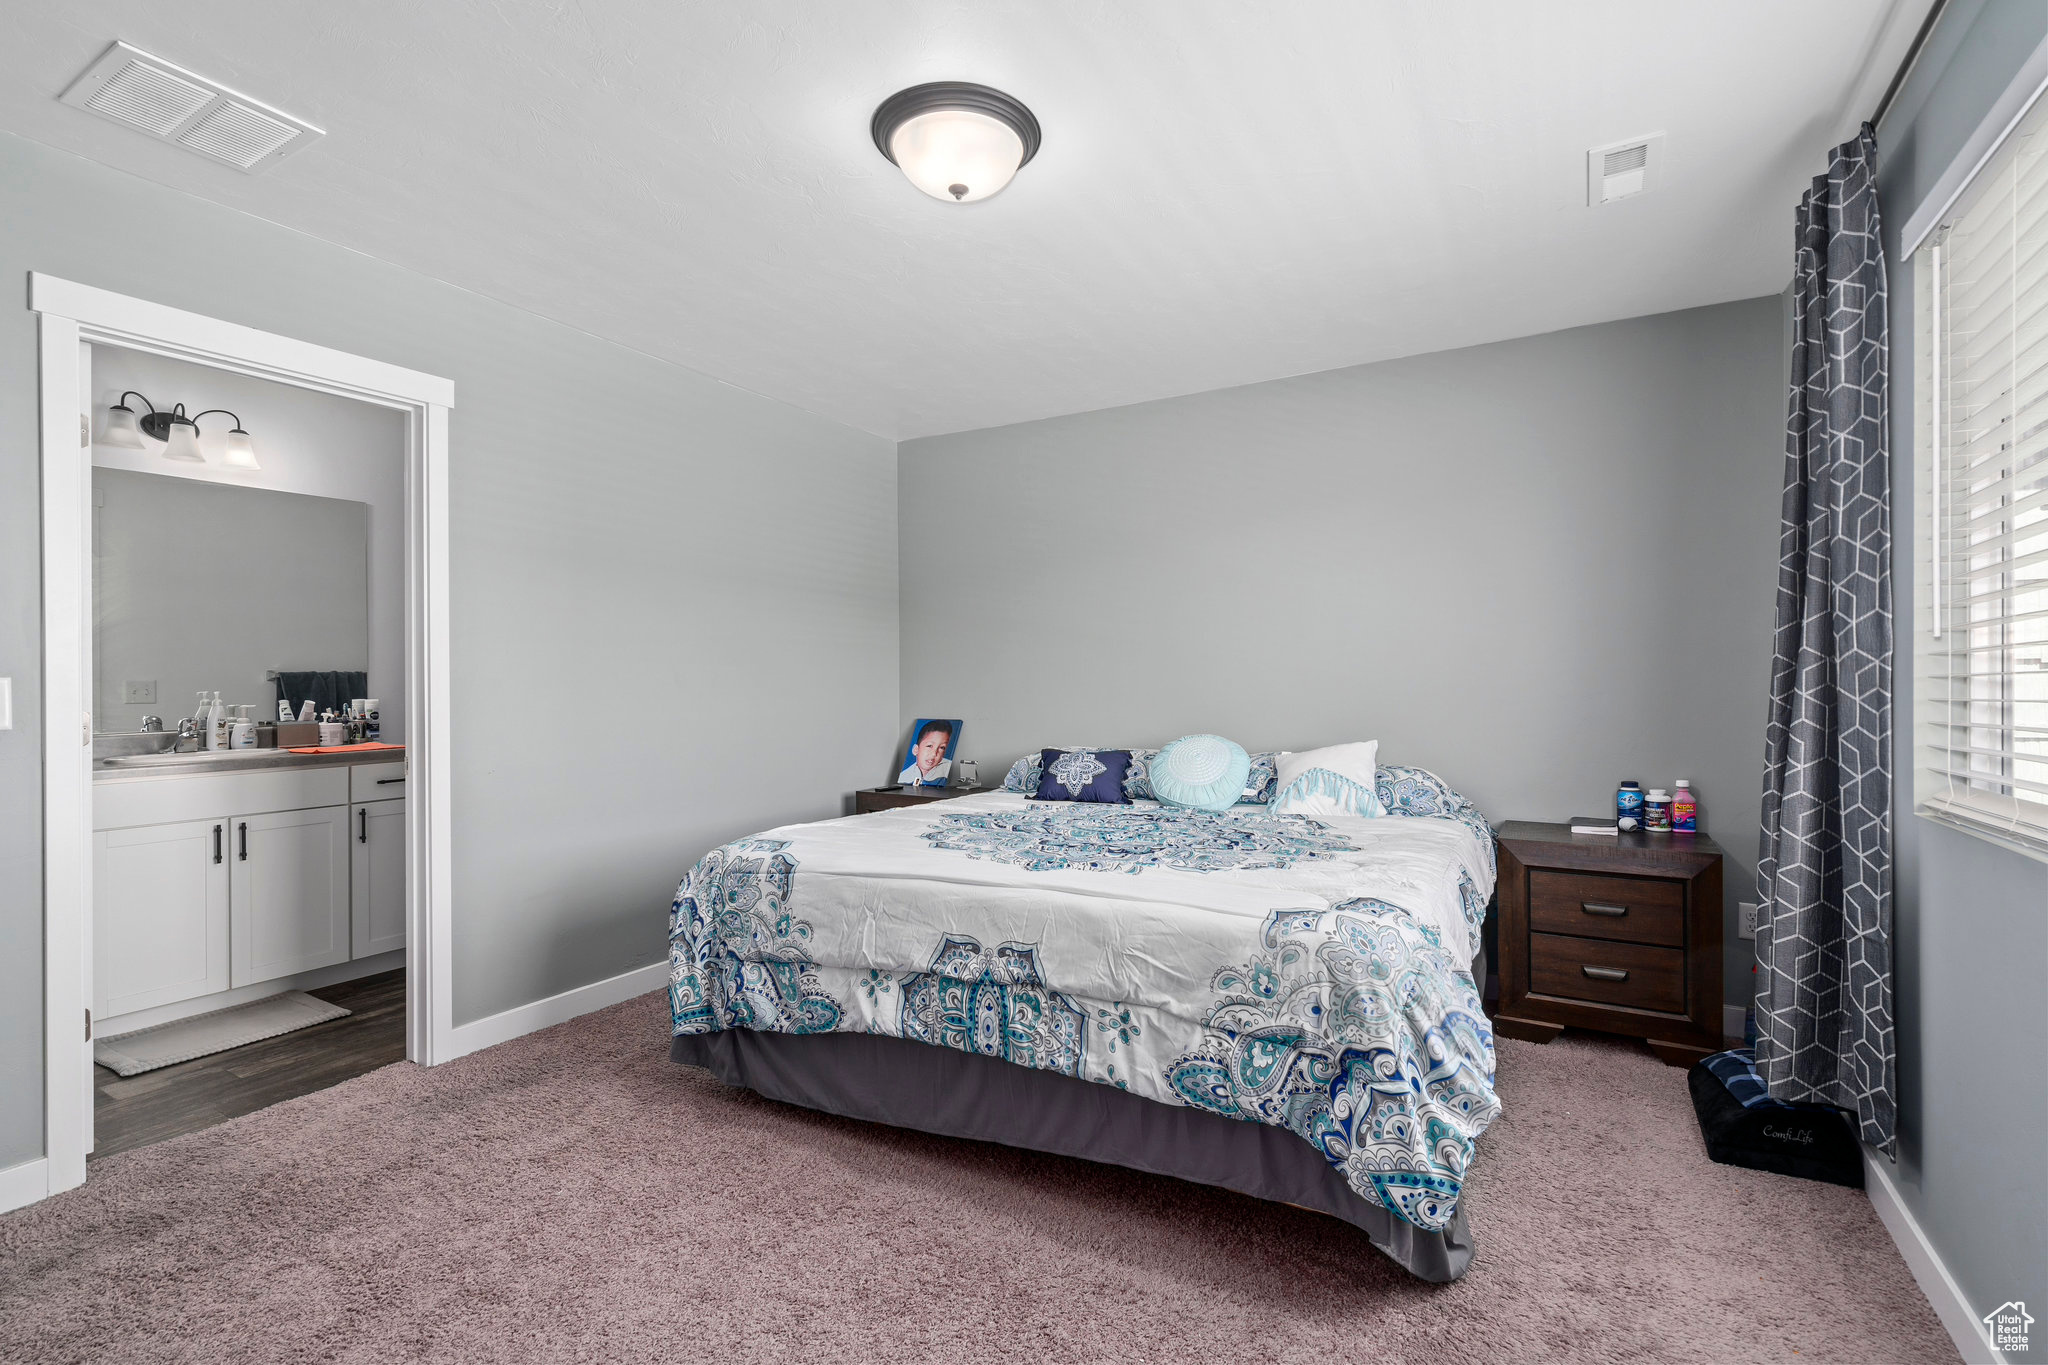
x: 216, y: 724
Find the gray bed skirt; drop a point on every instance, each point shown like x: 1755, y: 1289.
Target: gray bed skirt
x: 961, y: 1094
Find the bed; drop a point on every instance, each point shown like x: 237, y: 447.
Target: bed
x: 1284, y: 1006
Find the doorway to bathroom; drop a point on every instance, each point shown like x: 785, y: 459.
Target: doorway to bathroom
x: 247, y: 650
x: 238, y: 908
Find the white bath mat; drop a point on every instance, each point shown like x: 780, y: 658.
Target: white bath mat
x: 146, y: 1049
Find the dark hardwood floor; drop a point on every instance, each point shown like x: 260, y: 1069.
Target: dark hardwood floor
x: 207, y: 1090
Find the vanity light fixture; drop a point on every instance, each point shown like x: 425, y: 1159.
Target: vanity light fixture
x: 238, y: 452
x: 179, y: 433
x: 181, y: 436
x: 955, y: 141
x: 123, y: 431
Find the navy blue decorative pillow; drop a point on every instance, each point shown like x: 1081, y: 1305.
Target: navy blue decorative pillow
x: 1083, y: 775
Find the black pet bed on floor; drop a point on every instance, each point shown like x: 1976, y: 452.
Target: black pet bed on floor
x: 1744, y: 1126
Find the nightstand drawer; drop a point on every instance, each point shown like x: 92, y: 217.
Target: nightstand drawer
x: 872, y: 799
x: 1630, y: 909
x: 1633, y: 974
x: 868, y: 802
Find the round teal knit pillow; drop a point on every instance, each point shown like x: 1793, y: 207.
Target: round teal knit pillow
x: 1204, y: 772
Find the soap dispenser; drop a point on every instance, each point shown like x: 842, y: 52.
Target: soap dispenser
x: 216, y: 724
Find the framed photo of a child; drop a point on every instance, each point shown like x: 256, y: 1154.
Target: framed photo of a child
x: 929, y: 760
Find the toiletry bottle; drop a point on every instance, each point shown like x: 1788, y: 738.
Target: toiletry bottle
x: 216, y: 723
x: 284, y: 712
x: 1628, y: 806
x: 243, y: 730
x: 199, y: 716
x: 1685, y: 809
x: 1657, y: 811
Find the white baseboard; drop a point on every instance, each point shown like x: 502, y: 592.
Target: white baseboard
x: 1940, y: 1287
x: 117, y: 1024
x: 24, y: 1184
x: 498, y: 1028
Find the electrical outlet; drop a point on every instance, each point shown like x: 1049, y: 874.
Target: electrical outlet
x: 1746, y: 927
x: 139, y: 693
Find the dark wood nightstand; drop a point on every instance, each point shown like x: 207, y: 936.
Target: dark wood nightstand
x: 870, y: 799
x: 1615, y: 932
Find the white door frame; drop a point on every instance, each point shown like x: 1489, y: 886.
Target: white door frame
x: 70, y: 314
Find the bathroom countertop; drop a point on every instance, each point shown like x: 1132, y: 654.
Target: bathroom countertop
x: 232, y: 761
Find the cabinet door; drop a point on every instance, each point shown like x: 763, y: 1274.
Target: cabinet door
x: 160, y: 915
x: 377, y: 877
x: 289, y: 893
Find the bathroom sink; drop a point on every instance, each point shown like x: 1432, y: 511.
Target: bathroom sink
x: 129, y: 743
x: 199, y: 759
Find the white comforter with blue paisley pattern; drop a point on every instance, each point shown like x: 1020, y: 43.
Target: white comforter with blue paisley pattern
x: 1310, y: 974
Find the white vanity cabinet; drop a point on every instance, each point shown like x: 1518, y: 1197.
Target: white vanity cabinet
x: 161, y: 927
x: 377, y: 854
x: 209, y: 882
x: 288, y: 894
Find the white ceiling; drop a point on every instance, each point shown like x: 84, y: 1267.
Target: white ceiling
x: 1228, y: 191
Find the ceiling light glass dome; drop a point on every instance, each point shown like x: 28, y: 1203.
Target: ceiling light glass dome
x: 955, y: 141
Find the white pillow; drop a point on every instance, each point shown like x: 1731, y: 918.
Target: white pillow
x: 1339, y: 780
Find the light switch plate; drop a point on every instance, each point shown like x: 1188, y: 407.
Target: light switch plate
x: 1746, y: 925
x: 6, y: 703
x: 139, y: 693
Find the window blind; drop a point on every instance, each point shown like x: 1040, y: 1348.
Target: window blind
x: 1981, y: 410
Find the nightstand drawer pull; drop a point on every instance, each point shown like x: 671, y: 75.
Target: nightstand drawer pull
x: 1612, y: 911
x: 1605, y: 973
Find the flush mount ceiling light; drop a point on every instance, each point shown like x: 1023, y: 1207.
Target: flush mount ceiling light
x: 179, y: 433
x: 955, y: 141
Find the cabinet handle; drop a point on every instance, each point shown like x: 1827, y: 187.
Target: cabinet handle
x: 1605, y: 973
x: 387, y: 781
x: 1593, y: 908
x: 243, y: 830
x: 216, y: 843
x: 362, y: 826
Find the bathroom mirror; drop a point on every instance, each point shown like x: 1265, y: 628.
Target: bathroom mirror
x: 201, y: 585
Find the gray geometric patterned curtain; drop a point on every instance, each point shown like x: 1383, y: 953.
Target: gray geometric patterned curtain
x: 1824, y: 880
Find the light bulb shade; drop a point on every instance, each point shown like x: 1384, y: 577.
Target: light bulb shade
x: 122, y: 433
x: 239, y: 452
x: 954, y: 141
x: 957, y: 154
x: 183, y: 444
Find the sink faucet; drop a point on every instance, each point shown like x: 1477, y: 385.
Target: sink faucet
x: 152, y: 725
x: 188, y: 728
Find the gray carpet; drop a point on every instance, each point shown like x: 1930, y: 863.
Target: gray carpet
x: 573, y: 1196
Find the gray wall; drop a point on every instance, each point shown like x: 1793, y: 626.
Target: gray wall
x: 1536, y: 567
x: 1972, y: 917
x: 673, y: 602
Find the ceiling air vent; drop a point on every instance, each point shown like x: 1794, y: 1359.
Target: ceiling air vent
x: 174, y: 105
x: 1621, y: 169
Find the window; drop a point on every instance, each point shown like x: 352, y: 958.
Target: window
x: 1980, y: 410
